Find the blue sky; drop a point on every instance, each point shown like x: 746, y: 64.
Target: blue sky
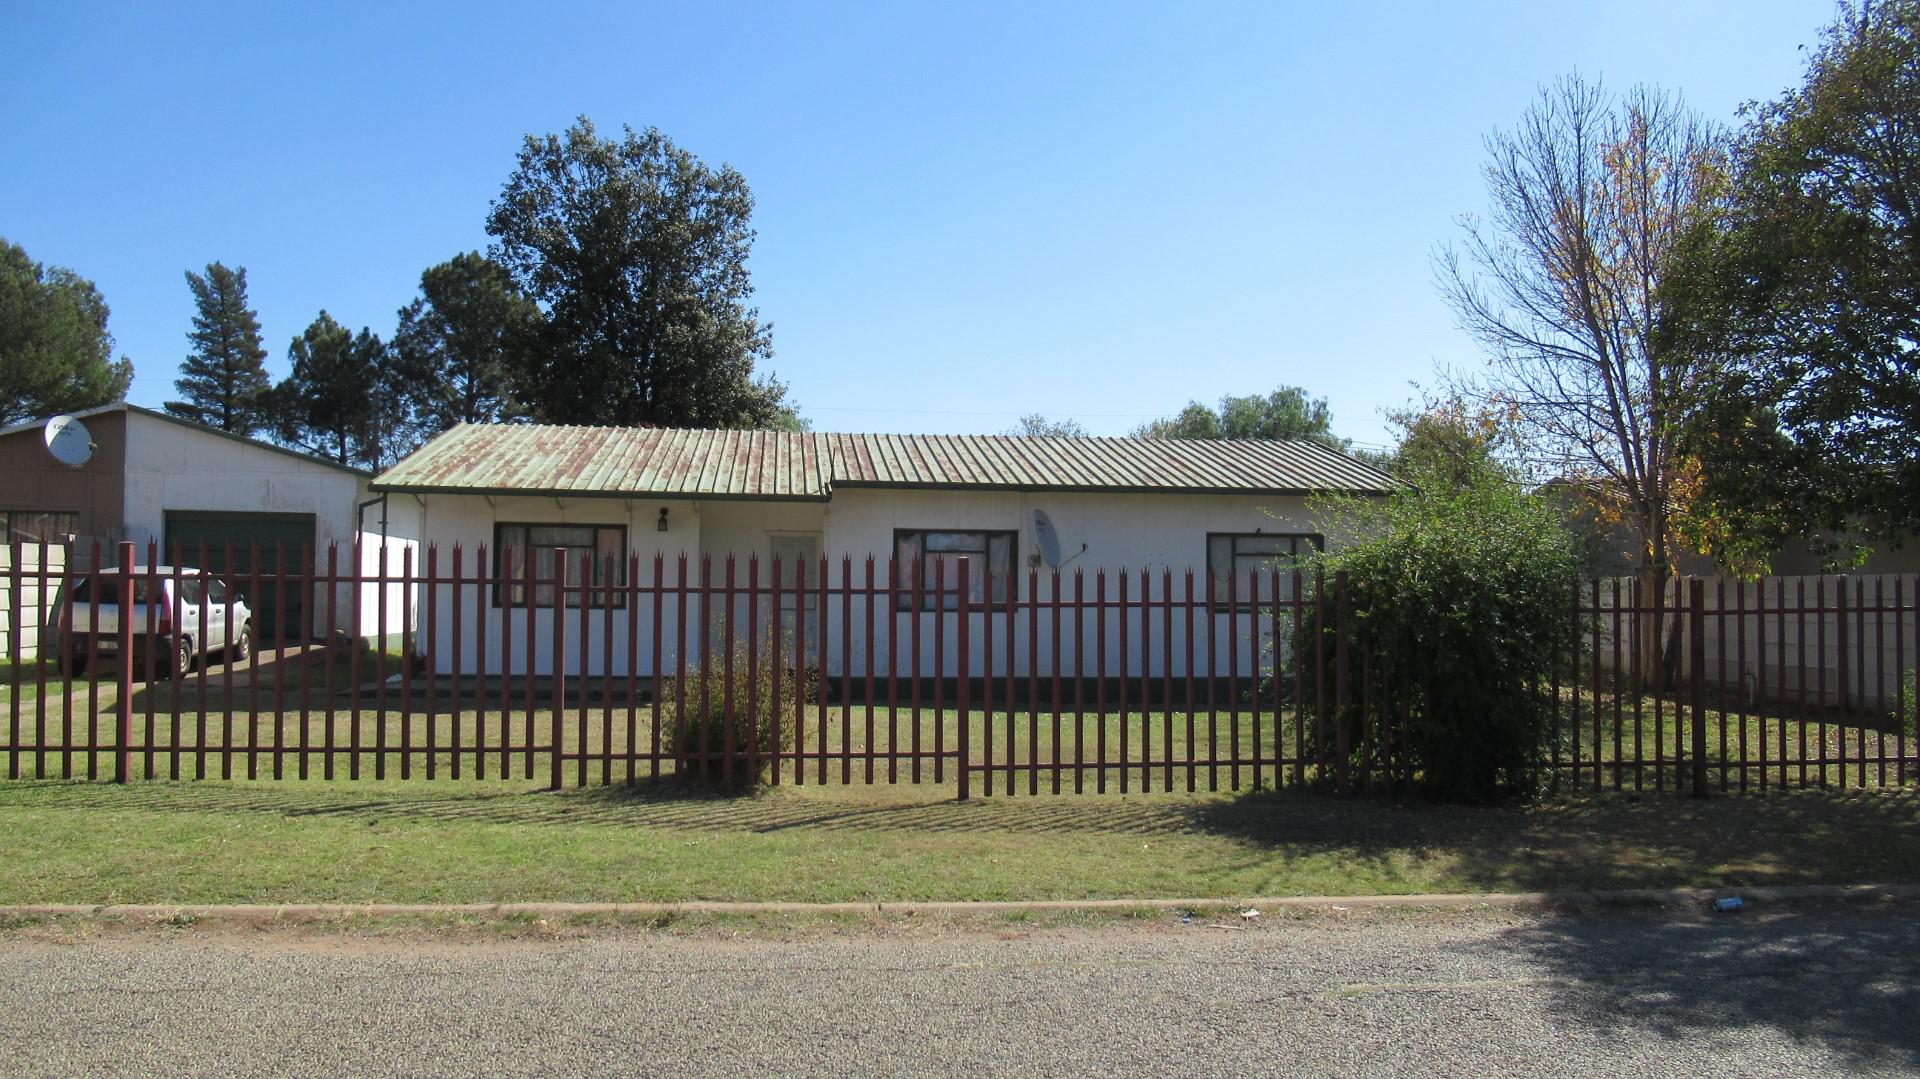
x: 966, y: 212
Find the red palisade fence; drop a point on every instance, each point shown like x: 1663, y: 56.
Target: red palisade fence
x: 590, y: 667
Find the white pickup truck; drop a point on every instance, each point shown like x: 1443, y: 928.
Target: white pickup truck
x: 195, y: 618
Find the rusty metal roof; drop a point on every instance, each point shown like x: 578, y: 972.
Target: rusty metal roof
x: 502, y: 458
x: 1015, y: 462
x: 618, y: 461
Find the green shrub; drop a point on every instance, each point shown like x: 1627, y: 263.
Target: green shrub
x: 1460, y: 597
x: 699, y: 706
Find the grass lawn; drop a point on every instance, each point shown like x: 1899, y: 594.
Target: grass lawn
x: 21, y: 681
x: 479, y: 842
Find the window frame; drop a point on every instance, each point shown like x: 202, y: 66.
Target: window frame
x: 1219, y: 602
x: 929, y: 601
x: 596, y: 595
x: 66, y: 537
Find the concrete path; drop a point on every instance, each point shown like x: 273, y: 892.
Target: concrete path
x: 1814, y: 990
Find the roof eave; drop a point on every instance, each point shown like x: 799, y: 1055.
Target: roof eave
x: 561, y: 492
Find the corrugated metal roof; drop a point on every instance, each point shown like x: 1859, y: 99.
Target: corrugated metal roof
x: 615, y: 461
x: 1102, y: 464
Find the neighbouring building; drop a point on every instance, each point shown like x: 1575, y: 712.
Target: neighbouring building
x: 155, y: 478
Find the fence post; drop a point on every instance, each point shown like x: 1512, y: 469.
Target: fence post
x: 123, y: 758
x: 1697, y: 658
x: 1343, y: 740
x: 960, y: 699
x: 559, y: 677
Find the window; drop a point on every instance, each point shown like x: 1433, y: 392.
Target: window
x: 1242, y: 553
x: 792, y: 550
x: 588, y: 547
x: 38, y: 526
x: 938, y: 556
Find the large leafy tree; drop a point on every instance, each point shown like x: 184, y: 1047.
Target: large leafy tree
x: 464, y: 341
x: 1287, y: 412
x: 1561, y: 284
x: 55, y: 352
x: 1804, y: 296
x: 223, y: 382
x: 636, y: 251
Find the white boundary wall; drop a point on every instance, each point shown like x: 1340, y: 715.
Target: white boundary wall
x: 29, y: 609
x: 1820, y: 638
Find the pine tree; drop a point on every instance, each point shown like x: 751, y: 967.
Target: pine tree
x: 464, y: 341
x: 326, y: 404
x: 223, y: 380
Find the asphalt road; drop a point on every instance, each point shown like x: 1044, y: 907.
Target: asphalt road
x: 1833, y: 990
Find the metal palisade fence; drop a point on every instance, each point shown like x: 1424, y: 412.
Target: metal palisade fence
x: 544, y: 665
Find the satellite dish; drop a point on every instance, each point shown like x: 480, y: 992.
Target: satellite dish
x: 69, y: 442
x: 1047, y: 541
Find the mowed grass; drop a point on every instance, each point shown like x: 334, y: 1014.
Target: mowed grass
x: 266, y: 842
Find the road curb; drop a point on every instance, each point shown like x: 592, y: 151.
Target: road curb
x: 1618, y: 899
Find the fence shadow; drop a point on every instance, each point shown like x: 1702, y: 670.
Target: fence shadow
x: 1846, y: 978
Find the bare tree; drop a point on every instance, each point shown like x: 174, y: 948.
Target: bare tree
x: 1560, y: 284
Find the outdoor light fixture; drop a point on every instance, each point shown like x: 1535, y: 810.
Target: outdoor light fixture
x: 662, y: 525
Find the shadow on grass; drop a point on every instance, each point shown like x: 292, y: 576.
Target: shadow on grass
x: 1573, y: 842
x: 1611, y: 841
x: 1846, y: 978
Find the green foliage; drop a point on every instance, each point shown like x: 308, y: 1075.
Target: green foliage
x: 223, y: 382
x: 637, y: 252
x: 697, y: 710
x: 1035, y: 425
x: 1454, y: 441
x: 1285, y: 413
x: 342, y: 399
x: 1460, y: 595
x: 464, y: 341
x: 55, y: 352
x: 1803, y: 294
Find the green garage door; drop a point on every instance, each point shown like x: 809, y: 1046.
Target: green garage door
x: 275, y: 536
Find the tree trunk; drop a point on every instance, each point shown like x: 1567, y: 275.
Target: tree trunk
x: 1654, y: 626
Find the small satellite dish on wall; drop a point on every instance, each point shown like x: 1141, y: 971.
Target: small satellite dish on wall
x: 1047, y: 541
x: 69, y: 441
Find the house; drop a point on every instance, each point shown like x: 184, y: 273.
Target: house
x: 152, y: 477
x: 608, y: 495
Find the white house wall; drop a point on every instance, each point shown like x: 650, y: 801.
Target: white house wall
x: 1135, y: 532
x: 468, y: 522
x: 1155, y: 532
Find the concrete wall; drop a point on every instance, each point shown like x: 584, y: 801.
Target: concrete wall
x: 1801, y: 653
x: 1133, y: 531
x: 25, y: 613
x: 173, y: 466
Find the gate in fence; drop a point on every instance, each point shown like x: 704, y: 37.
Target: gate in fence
x: 534, y: 664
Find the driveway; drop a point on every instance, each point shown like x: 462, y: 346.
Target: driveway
x: 1830, y: 990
